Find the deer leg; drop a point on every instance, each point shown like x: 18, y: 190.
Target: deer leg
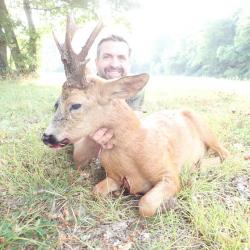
x: 206, y: 134
x: 84, y: 151
x: 158, y: 195
x: 106, y: 186
x: 212, y: 142
x: 220, y: 150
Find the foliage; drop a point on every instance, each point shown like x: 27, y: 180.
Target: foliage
x: 222, y: 49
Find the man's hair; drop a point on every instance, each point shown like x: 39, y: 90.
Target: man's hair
x: 113, y: 38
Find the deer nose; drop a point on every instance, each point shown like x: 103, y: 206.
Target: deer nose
x: 49, y: 139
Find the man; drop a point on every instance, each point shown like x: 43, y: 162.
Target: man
x: 112, y: 61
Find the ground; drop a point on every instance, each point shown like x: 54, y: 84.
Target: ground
x: 45, y: 203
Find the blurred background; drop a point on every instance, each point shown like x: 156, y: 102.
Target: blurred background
x: 193, y: 38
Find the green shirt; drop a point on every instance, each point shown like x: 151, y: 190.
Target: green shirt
x: 136, y: 101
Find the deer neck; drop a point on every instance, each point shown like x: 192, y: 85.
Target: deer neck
x: 124, y: 122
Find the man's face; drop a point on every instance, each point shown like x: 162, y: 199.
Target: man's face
x: 113, y: 61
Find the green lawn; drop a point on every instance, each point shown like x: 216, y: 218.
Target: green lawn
x: 46, y: 204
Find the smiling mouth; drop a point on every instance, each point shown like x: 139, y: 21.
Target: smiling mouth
x: 60, y: 144
x: 114, y: 71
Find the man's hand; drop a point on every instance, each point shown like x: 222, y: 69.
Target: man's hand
x: 103, y: 137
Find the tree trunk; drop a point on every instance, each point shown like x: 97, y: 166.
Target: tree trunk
x: 33, y: 36
x: 11, y: 39
x: 3, y: 52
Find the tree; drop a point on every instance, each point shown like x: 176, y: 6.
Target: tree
x: 217, y: 34
x: 33, y: 37
x: 242, y: 45
x: 3, y: 52
x: 221, y: 49
x: 10, y: 37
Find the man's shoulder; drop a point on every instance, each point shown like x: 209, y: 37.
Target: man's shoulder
x: 136, y: 102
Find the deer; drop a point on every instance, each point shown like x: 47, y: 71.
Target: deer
x: 149, y: 153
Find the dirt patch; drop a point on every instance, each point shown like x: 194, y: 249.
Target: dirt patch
x: 242, y: 185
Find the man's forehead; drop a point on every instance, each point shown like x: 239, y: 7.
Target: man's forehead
x: 114, y: 47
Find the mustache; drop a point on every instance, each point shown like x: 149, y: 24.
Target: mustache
x: 119, y: 69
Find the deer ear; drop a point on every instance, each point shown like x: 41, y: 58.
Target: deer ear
x: 125, y: 87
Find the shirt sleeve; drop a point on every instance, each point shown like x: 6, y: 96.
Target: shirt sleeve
x: 136, y: 102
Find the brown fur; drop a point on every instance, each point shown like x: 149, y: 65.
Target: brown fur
x: 148, y: 154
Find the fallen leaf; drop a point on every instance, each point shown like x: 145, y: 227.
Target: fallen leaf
x: 126, y: 246
x: 247, y: 156
x: 2, y: 240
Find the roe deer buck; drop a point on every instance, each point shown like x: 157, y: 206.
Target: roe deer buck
x: 148, y: 154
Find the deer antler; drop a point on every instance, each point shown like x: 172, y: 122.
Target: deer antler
x: 74, y: 64
x: 90, y: 41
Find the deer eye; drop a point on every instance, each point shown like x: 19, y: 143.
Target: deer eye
x: 75, y: 106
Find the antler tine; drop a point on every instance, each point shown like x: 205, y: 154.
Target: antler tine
x: 68, y: 56
x: 71, y: 28
x: 59, y: 46
x: 84, y: 52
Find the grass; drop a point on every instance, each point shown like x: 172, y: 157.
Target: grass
x: 46, y: 204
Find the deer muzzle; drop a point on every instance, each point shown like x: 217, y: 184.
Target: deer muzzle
x: 51, y: 141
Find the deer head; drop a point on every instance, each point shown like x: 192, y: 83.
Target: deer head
x: 85, y: 102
